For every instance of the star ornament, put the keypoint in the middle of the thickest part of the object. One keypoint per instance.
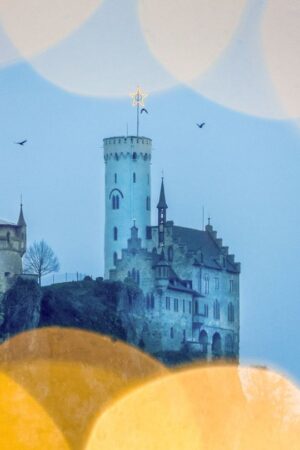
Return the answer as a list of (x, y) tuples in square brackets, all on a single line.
[(138, 97)]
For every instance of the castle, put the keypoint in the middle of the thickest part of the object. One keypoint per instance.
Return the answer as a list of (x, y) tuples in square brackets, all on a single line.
[(12, 248), (189, 280)]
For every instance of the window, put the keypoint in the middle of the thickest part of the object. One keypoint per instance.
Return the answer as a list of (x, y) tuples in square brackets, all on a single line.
[(196, 307), (115, 257), (216, 310), (170, 253), (217, 284), (230, 285), (171, 333), (230, 312), (115, 233), (183, 305), (206, 284), (148, 179), (115, 202), (148, 301), (176, 304), (183, 336), (190, 307), (134, 156), (168, 303), (152, 301), (148, 203), (134, 177), (116, 178)]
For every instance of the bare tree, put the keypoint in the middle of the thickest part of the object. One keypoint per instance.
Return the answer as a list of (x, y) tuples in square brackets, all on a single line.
[(40, 259)]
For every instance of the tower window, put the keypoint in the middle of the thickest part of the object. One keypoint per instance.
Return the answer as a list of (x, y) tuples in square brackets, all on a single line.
[(115, 233), (230, 285), (206, 285), (148, 203), (116, 178), (134, 177), (115, 257), (115, 202), (134, 156), (183, 305), (171, 332)]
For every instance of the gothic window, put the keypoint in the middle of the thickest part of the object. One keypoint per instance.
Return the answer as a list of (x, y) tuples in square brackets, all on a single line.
[(170, 254), (230, 285), (134, 177), (206, 284), (171, 332), (148, 203), (230, 312), (216, 345), (216, 310), (168, 303), (116, 178), (176, 304), (115, 257), (113, 200), (115, 233)]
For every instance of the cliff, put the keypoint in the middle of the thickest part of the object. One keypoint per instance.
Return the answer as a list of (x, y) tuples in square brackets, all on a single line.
[(90, 305)]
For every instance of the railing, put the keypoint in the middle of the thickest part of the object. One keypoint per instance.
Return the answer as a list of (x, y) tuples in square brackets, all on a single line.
[(62, 278)]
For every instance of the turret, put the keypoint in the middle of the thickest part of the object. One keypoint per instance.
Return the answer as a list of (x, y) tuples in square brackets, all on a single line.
[(162, 214), (127, 192)]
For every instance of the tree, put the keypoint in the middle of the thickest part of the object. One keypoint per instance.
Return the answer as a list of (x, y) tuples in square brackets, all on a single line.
[(40, 259)]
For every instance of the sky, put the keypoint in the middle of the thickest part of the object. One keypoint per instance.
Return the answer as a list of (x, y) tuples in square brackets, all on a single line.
[(65, 95)]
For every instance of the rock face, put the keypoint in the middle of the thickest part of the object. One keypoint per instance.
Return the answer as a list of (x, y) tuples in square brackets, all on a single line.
[(90, 305), (20, 308)]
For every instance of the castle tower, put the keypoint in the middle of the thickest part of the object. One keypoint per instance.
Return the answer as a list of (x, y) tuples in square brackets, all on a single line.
[(127, 192), (12, 248)]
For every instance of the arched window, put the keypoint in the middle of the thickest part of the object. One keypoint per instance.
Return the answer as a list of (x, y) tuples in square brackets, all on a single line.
[(148, 203), (116, 178), (117, 202), (216, 310), (134, 177), (115, 257), (230, 312), (134, 156), (115, 233), (203, 340), (216, 345)]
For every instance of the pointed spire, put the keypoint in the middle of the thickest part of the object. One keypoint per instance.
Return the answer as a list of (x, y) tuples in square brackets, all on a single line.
[(21, 220), (162, 198)]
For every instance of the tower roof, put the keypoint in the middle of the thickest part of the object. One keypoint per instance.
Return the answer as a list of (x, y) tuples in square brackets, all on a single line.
[(21, 220), (162, 198)]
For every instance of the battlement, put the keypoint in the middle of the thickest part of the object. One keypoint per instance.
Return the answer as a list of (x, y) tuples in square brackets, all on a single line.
[(127, 146)]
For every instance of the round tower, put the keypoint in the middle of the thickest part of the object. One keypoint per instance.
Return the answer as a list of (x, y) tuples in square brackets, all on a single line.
[(127, 192)]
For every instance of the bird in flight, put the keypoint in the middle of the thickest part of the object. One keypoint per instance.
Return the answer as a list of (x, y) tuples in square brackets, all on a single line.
[(201, 125), (21, 142), (144, 110)]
